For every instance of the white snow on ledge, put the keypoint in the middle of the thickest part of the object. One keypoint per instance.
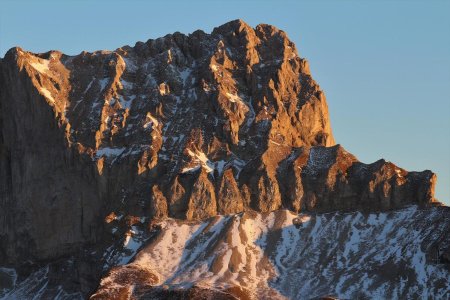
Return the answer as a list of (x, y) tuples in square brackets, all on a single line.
[(126, 104), (202, 159), (107, 151), (214, 67), (151, 121), (233, 98), (46, 93), (191, 169), (41, 67), (103, 83), (184, 75)]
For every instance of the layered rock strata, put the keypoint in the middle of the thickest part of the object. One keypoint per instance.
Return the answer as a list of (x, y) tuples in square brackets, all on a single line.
[(184, 126)]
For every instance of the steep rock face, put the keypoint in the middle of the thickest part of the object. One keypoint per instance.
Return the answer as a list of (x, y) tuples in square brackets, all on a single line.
[(324, 178), (182, 126), (49, 192)]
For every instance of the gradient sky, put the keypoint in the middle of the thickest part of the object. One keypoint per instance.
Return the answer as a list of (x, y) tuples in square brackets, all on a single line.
[(384, 65)]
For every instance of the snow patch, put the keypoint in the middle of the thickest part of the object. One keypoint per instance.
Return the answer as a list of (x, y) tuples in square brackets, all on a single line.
[(184, 75), (88, 87), (344, 255), (214, 67), (103, 83), (108, 152), (129, 64), (151, 121), (320, 158), (234, 98), (126, 103), (46, 93), (190, 169), (201, 158), (42, 66)]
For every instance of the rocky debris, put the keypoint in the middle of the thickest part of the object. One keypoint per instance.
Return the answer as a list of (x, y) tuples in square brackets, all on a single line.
[(384, 255), (131, 282), (119, 283), (65, 278), (184, 126)]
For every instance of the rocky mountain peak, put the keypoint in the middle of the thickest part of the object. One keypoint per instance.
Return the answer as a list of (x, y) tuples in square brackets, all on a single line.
[(183, 126)]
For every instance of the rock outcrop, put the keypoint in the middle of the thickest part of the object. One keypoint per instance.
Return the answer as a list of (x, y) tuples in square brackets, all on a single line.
[(184, 126)]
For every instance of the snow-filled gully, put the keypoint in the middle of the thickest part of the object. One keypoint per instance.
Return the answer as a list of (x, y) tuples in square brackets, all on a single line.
[(348, 255)]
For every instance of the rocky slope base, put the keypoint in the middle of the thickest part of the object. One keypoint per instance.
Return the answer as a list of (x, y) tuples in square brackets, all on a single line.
[(401, 254), (186, 127), (390, 255)]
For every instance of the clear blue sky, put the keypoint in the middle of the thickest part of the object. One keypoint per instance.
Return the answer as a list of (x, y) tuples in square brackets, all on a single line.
[(384, 65)]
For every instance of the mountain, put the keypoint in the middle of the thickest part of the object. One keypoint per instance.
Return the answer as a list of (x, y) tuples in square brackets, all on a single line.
[(104, 154), (262, 256)]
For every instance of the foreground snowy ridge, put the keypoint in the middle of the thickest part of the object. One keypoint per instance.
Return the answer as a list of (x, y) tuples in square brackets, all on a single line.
[(389, 255)]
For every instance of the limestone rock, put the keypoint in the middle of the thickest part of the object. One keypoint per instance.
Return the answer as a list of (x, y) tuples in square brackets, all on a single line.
[(184, 126)]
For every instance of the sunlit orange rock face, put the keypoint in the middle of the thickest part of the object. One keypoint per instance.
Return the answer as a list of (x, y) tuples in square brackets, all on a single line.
[(184, 126)]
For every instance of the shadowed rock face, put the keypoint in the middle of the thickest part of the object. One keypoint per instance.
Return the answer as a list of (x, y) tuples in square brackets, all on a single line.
[(184, 126)]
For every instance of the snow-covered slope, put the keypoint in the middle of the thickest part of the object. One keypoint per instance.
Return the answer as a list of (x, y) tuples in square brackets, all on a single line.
[(390, 255)]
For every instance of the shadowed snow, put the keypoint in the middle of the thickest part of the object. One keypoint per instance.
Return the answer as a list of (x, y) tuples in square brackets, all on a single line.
[(349, 255)]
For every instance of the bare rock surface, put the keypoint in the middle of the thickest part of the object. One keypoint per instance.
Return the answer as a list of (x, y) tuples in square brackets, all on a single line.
[(97, 145)]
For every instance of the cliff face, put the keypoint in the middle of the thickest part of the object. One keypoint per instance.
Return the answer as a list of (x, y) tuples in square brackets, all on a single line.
[(49, 192), (184, 126)]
